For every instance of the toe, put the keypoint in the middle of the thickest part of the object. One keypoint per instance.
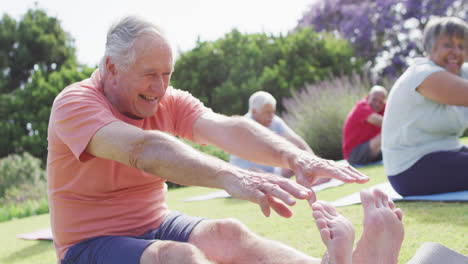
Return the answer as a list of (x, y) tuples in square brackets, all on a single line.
[(367, 200)]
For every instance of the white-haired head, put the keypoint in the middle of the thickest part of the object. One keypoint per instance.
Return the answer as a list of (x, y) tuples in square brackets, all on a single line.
[(259, 99), (121, 38), (378, 89), (377, 98)]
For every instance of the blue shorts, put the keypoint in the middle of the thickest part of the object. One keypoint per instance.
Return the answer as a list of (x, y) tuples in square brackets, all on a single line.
[(128, 249), (436, 172)]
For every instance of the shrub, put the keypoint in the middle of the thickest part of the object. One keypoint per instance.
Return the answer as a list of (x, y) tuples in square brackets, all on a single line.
[(208, 149), (317, 112), (26, 208), (24, 192), (232, 68), (23, 188), (16, 170)]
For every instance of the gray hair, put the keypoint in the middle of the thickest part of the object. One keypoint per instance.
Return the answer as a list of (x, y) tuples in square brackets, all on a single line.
[(121, 38), (378, 88), (260, 99), (439, 26)]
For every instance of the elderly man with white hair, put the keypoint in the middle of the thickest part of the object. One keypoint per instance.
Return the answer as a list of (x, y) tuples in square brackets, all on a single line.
[(112, 147), (262, 108)]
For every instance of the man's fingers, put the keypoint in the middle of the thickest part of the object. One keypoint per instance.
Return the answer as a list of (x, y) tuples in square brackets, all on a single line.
[(295, 189), (264, 204), (266, 201), (279, 207), (275, 190), (345, 173), (312, 198), (361, 177)]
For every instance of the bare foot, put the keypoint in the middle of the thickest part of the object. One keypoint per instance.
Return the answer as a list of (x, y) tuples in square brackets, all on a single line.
[(336, 231), (383, 230)]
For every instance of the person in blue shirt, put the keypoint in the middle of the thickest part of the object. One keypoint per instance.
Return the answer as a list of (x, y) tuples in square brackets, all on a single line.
[(262, 108)]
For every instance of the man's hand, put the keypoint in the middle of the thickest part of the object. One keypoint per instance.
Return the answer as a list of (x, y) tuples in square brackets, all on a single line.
[(267, 190), (310, 168)]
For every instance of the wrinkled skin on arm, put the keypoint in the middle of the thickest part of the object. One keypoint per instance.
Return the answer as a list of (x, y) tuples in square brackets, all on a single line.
[(249, 140)]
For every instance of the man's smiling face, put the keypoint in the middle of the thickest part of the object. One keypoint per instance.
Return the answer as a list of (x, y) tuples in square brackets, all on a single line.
[(137, 91)]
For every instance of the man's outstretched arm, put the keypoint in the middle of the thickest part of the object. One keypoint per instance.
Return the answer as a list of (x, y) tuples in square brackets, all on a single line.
[(167, 157), (251, 141)]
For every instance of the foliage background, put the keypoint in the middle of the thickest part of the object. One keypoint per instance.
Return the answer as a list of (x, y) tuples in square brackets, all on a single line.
[(37, 61), (224, 73), (317, 112), (316, 71), (386, 34)]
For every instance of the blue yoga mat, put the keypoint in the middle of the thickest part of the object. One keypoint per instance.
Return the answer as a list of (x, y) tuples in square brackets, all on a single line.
[(386, 187)]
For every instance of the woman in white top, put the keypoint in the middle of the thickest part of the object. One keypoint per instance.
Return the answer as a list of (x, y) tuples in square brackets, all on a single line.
[(427, 113)]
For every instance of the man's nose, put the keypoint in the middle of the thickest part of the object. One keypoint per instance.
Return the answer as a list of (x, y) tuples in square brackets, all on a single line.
[(157, 84)]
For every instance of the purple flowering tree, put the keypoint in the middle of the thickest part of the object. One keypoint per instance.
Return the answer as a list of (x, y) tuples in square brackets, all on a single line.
[(386, 33)]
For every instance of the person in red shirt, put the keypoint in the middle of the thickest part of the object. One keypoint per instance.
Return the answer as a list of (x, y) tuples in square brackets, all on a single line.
[(362, 127)]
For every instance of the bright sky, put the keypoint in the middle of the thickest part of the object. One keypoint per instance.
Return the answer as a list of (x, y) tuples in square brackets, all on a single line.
[(183, 20)]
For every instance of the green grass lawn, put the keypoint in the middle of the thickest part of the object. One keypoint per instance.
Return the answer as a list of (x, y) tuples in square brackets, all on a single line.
[(446, 223)]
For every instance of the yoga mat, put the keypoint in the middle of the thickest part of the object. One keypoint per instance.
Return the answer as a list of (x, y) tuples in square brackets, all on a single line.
[(386, 187), (224, 194), (345, 162), (42, 234)]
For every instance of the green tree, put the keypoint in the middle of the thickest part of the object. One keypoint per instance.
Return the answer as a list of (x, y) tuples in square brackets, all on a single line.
[(37, 42), (224, 73), (37, 60), (24, 126)]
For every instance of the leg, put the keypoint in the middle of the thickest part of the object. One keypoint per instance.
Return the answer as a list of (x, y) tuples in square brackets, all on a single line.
[(442, 171), (366, 152), (383, 230), (161, 252), (336, 231), (229, 241), (374, 145), (169, 242)]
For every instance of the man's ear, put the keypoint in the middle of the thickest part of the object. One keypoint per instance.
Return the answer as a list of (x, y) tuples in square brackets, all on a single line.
[(110, 67)]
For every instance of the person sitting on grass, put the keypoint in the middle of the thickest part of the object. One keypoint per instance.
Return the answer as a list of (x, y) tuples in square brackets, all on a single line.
[(262, 108), (112, 146), (362, 127), (427, 113)]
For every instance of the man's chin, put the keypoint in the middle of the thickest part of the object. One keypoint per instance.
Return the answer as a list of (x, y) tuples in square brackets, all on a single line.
[(140, 116)]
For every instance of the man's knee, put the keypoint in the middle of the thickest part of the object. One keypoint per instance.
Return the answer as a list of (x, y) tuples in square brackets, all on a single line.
[(224, 239), (230, 229), (172, 252)]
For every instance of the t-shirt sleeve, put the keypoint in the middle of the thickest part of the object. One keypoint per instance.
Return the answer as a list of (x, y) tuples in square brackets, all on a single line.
[(421, 71), (77, 114), (184, 109)]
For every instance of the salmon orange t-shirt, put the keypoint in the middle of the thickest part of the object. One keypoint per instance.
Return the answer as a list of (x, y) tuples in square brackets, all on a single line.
[(91, 196)]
